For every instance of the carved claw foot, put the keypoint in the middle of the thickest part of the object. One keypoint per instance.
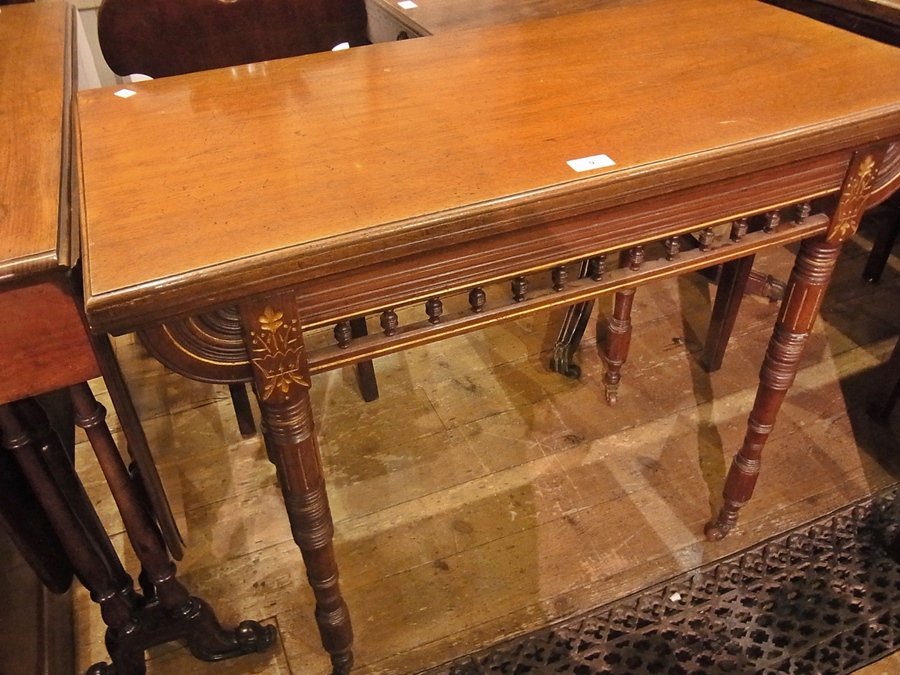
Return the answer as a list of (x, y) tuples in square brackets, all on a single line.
[(207, 640), (573, 372), (195, 624), (252, 636)]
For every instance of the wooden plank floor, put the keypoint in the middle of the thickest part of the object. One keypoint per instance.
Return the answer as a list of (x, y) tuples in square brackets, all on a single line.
[(482, 496)]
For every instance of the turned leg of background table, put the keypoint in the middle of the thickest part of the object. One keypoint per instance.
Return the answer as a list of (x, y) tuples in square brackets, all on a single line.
[(143, 468), (275, 347), (562, 357), (729, 294), (365, 370), (116, 599), (885, 238), (171, 611), (803, 298), (617, 340)]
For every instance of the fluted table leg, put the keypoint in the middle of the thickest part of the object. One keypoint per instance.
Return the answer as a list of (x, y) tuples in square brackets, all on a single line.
[(275, 346)]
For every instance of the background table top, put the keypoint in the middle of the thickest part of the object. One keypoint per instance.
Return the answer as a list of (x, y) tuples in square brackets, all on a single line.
[(214, 185), (433, 17), (35, 92), (878, 19)]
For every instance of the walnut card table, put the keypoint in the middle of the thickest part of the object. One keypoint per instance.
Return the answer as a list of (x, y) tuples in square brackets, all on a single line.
[(226, 213)]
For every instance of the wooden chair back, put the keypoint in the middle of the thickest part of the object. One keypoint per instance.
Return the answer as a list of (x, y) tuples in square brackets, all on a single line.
[(171, 37)]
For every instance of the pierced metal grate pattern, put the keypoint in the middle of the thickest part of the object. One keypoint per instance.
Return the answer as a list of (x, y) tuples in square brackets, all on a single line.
[(823, 599)]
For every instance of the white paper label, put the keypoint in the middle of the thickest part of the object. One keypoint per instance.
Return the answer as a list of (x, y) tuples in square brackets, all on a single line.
[(593, 162), (407, 4), (125, 93)]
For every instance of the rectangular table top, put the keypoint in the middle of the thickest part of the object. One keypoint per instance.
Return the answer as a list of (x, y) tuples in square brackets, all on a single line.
[(201, 189), (36, 78)]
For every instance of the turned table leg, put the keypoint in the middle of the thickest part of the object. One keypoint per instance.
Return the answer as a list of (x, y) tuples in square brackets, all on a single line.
[(803, 298), (617, 343), (115, 596), (172, 612), (274, 342), (805, 290)]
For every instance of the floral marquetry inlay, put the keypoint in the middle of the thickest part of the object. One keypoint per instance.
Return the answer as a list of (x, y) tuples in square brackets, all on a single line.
[(277, 351), (852, 201)]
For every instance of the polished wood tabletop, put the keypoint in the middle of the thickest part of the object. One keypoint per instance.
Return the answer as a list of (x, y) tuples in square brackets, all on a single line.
[(226, 212), (267, 176), (38, 243), (35, 85)]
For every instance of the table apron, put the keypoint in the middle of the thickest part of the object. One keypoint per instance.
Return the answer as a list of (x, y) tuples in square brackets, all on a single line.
[(210, 348)]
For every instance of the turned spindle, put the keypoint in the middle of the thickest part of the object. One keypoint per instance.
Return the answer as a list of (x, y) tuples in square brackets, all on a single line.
[(477, 299), (559, 276), (434, 308), (389, 322), (519, 288), (343, 334)]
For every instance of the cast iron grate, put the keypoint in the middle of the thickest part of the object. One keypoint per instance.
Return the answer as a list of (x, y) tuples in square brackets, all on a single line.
[(821, 600)]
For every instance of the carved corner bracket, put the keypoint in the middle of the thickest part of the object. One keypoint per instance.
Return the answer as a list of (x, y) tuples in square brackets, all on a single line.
[(858, 186), (208, 347), (277, 352)]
